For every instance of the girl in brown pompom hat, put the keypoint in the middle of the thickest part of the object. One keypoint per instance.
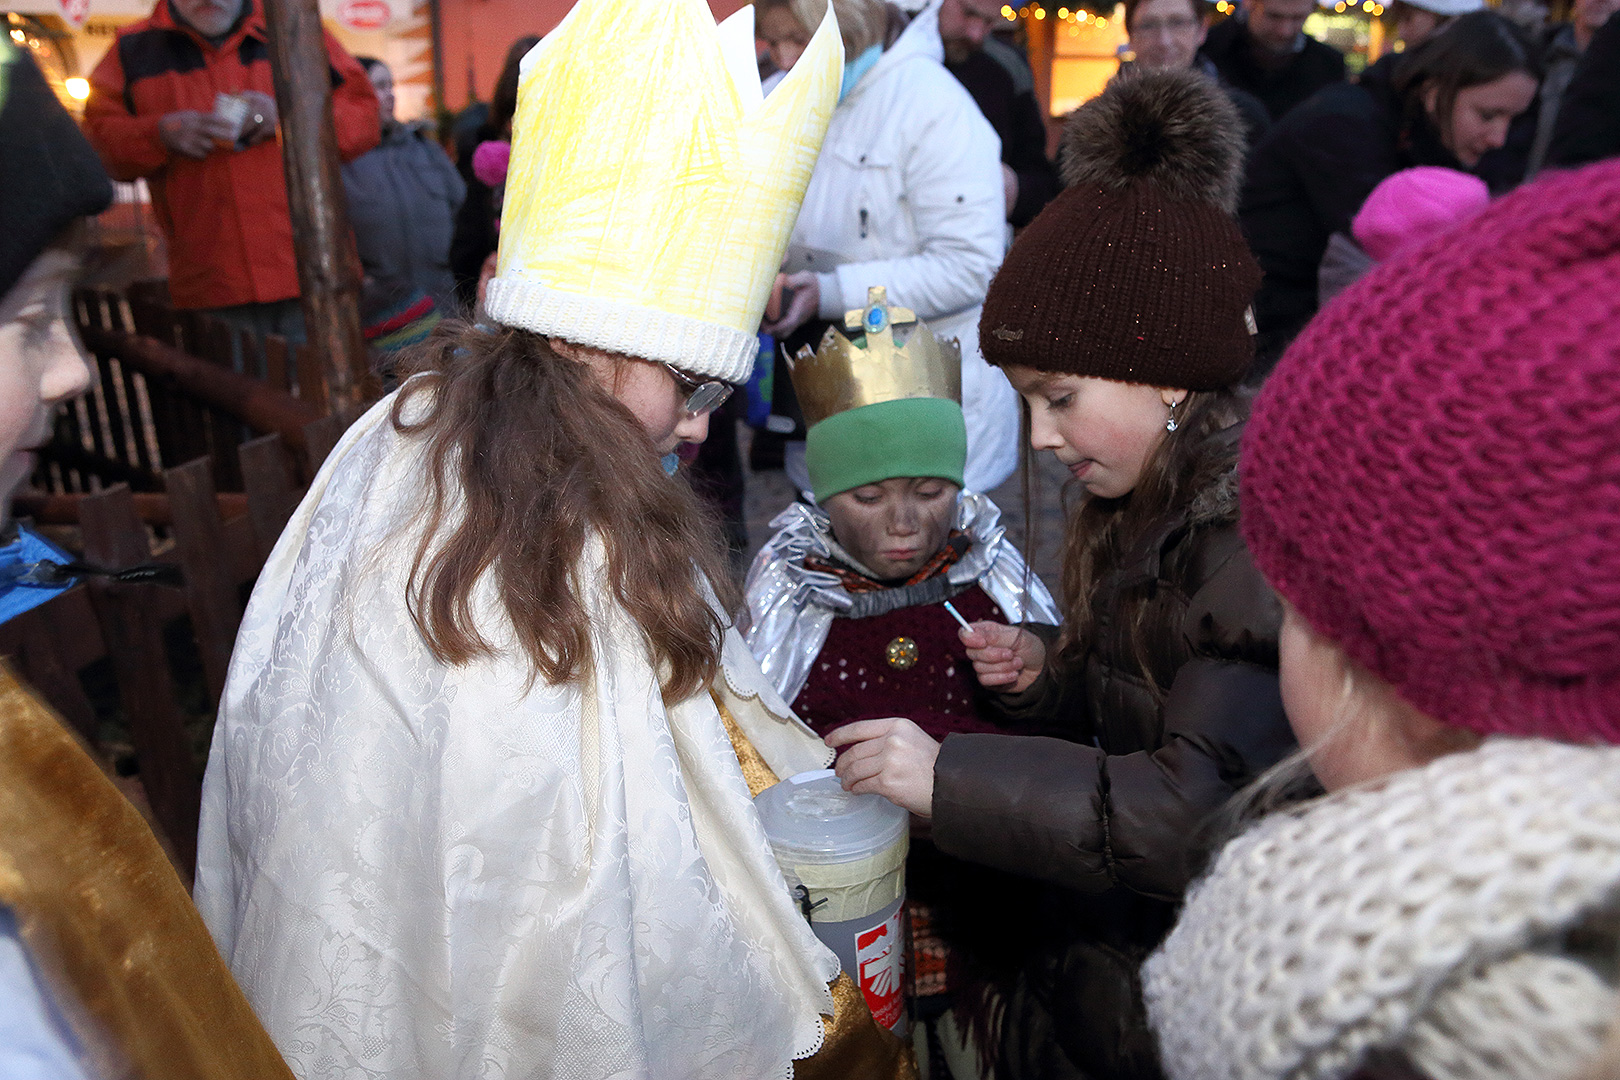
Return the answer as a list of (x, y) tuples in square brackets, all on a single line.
[(1120, 316)]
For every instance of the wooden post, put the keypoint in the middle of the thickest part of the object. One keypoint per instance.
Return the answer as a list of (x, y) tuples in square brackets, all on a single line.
[(327, 276), (436, 26)]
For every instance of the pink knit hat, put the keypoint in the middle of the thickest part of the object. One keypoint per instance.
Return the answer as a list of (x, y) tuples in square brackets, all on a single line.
[(1413, 205), (1432, 473)]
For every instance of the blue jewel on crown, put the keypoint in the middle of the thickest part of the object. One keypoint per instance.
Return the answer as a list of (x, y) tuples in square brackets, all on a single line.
[(877, 317)]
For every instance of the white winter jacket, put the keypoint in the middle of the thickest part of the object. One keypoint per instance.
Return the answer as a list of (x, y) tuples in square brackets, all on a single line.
[(907, 194)]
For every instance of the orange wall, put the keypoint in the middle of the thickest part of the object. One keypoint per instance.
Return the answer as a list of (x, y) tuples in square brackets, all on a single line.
[(477, 34)]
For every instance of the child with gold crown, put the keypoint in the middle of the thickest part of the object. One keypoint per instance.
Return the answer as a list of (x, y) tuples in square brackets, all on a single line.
[(479, 798), (853, 606)]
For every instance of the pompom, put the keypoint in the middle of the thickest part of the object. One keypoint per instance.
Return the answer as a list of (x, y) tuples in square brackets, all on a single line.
[(1175, 129), (490, 162)]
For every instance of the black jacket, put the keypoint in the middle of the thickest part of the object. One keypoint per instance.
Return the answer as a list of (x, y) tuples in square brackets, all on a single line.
[(1308, 179), (1113, 816), (1004, 89), (1237, 57), (1588, 125), (1256, 117)]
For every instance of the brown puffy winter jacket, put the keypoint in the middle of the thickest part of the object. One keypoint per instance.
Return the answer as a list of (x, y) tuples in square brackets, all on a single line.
[(1115, 815)]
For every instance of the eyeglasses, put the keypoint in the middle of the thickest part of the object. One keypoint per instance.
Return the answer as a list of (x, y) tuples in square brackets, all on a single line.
[(701, 397)]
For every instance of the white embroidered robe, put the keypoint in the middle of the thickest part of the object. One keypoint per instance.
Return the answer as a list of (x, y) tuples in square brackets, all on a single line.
[(427, 873)]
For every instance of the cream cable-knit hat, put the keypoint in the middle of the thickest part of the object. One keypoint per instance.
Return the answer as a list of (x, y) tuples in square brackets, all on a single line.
[(1424, 916)]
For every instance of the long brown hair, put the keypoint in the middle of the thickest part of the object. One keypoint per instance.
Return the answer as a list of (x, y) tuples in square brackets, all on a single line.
[(1099, 532), (529, 457)]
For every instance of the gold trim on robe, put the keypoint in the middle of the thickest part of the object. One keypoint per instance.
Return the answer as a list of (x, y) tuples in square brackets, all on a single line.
[(106, 919), (756, 772), (855, 1047)]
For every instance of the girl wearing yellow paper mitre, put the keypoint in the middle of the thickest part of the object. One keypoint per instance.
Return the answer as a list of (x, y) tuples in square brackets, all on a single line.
[(478, 802)]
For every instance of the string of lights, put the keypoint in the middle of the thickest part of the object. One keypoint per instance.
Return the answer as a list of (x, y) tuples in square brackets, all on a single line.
[(47, 46), (1078, 16), (1081, 17)]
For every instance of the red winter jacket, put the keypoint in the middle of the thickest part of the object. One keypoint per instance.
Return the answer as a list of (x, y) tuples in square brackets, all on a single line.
[(226, 217)]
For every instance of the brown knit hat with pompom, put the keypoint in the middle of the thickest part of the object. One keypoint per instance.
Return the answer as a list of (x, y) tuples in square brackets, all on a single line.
[(1137, 271)]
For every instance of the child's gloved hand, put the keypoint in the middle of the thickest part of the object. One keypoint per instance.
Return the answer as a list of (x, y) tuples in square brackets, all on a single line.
[(1005, 658), (893, 758)]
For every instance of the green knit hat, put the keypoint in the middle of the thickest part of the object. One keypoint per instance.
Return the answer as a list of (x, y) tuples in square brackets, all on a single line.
[(922, 436), (880, 405)]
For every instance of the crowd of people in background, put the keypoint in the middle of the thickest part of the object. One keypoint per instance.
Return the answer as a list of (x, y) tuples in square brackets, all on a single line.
[(1308, 770), (1468, 90), (214, 168)]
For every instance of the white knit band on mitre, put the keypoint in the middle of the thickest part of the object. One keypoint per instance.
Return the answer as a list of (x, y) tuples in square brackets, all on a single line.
[(695, 346)]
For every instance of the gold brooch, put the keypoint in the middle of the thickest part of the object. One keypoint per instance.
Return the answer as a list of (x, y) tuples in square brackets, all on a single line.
[(901, 653)]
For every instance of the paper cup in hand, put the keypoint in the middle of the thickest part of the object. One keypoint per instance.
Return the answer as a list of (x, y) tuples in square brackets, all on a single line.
[(234, 111)]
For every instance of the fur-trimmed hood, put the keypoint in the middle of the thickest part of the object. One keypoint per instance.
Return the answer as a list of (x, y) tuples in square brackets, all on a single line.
[(1216, 478), (1218, 501)]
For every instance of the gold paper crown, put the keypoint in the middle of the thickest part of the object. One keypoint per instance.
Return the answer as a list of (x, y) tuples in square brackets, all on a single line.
[(652, 187), (843, 374)]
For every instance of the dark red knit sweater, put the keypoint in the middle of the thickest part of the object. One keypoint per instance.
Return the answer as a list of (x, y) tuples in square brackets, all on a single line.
[(853, 680)]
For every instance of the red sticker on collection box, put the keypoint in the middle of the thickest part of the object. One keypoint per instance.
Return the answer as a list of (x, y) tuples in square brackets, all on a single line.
[(880, 956)]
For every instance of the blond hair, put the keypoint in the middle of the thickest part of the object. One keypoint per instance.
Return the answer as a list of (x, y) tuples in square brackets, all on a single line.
[(1365, 709), (861, 23)]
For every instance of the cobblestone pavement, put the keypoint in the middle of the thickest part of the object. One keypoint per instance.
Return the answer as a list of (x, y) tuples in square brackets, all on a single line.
[(768, 492)]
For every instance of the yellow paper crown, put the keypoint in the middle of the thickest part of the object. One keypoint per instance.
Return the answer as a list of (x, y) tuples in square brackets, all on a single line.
[(652, 188), (842, 374)]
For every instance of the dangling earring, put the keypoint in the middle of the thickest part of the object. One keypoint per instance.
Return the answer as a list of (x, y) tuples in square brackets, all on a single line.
[(1170, 424)]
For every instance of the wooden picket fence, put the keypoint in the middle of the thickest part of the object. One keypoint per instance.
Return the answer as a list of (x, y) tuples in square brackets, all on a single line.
[(172, 458), (166, 392)]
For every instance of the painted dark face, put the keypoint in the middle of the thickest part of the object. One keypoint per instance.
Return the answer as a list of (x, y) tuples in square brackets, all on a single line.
[(894, 526)]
